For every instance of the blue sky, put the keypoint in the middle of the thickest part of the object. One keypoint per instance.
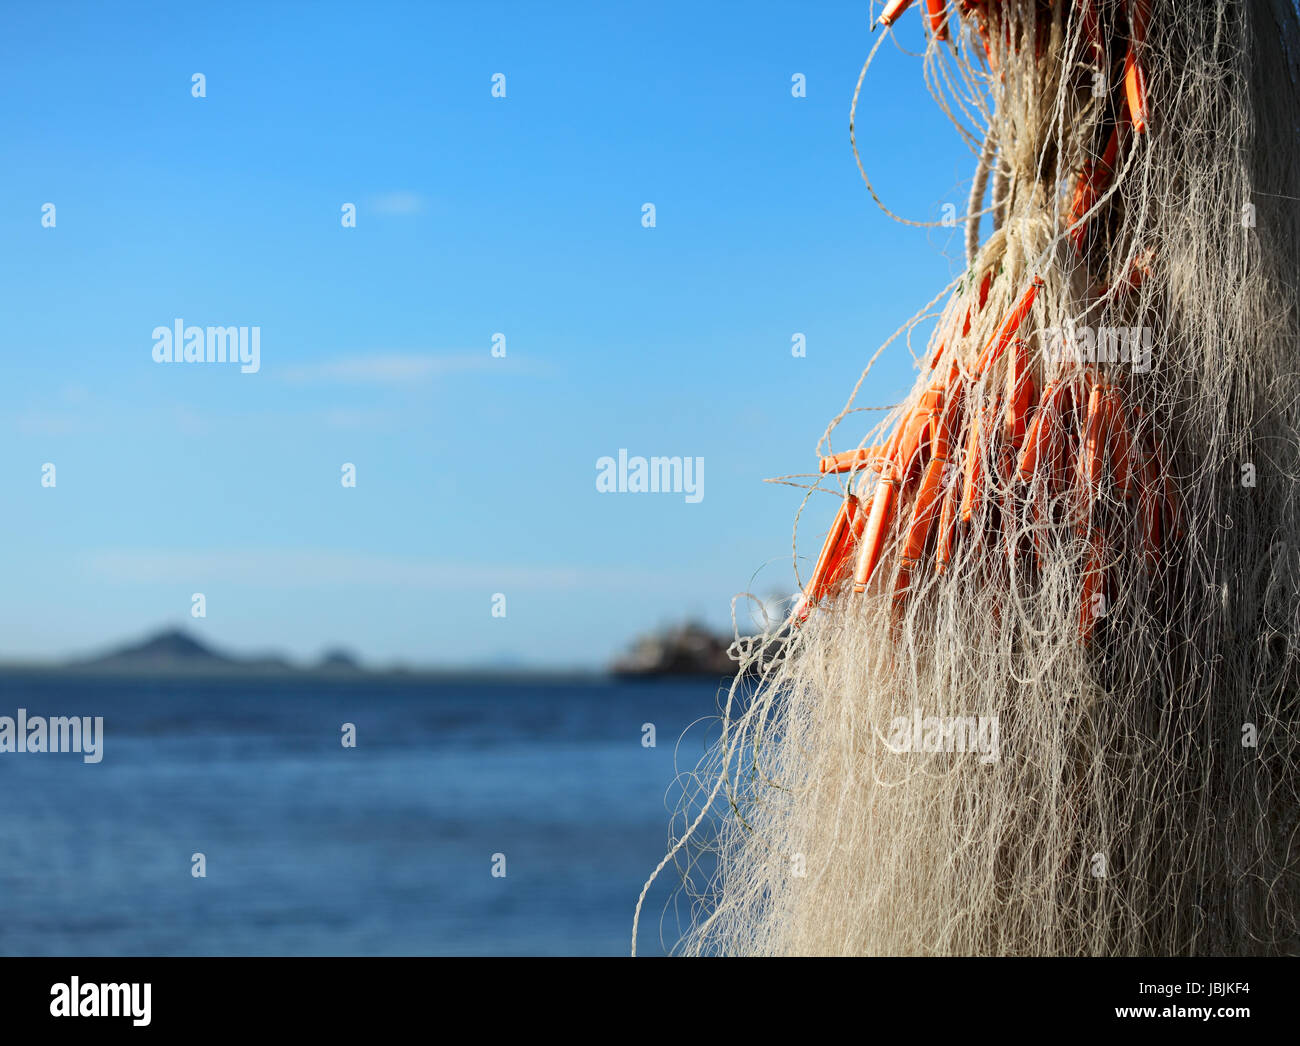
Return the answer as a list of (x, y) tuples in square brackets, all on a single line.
[(475, 215)]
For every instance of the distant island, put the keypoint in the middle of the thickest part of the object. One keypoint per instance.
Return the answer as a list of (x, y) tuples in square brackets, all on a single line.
[(689, 649), (176, 650), (685, 650)]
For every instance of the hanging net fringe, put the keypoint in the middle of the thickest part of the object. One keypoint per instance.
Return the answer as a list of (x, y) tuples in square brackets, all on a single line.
[(1039, 696)]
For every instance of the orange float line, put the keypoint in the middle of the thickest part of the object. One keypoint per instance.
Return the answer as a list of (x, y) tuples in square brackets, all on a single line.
[(860, 520), (936, 18), (1007, 329), (911, 438), (1065, 438), (905, 450), (973, 478), (1020, 393), (926, 508), (813, 590), (988, 51), (831, 555), (1093, 584), (1009, 504), (891, 13), (1140, 269), (1037, 439), (947, 526), (1091, 460), (924, 517), (948, 411), (1088, 458), (1135, 91), (1137, 274), (978, 304), (1093, 181), (849, 460), (1055, 452), (878, 521), (950, 332), (918, 431), (1121, 438), (843, 547), (938, 355)]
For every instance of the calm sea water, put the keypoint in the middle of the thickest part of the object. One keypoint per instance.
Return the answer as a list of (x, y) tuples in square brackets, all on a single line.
[(315, 849)]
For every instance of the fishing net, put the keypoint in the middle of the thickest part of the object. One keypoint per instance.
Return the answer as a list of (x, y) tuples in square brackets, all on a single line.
[(1039, 695)]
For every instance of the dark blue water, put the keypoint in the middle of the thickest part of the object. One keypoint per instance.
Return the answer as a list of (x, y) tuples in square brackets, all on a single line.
[(316, 849)]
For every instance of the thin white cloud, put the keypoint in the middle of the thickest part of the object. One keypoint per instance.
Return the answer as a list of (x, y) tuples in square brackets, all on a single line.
[(51, 423), (189, 421), (397, 202), (350, 420), (328, 568), (392, 368)]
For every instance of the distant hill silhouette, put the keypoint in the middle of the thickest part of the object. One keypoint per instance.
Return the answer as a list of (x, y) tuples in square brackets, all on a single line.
[(171, 645), (685, 650), (338, 658), (175, 648), (688, 650)]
